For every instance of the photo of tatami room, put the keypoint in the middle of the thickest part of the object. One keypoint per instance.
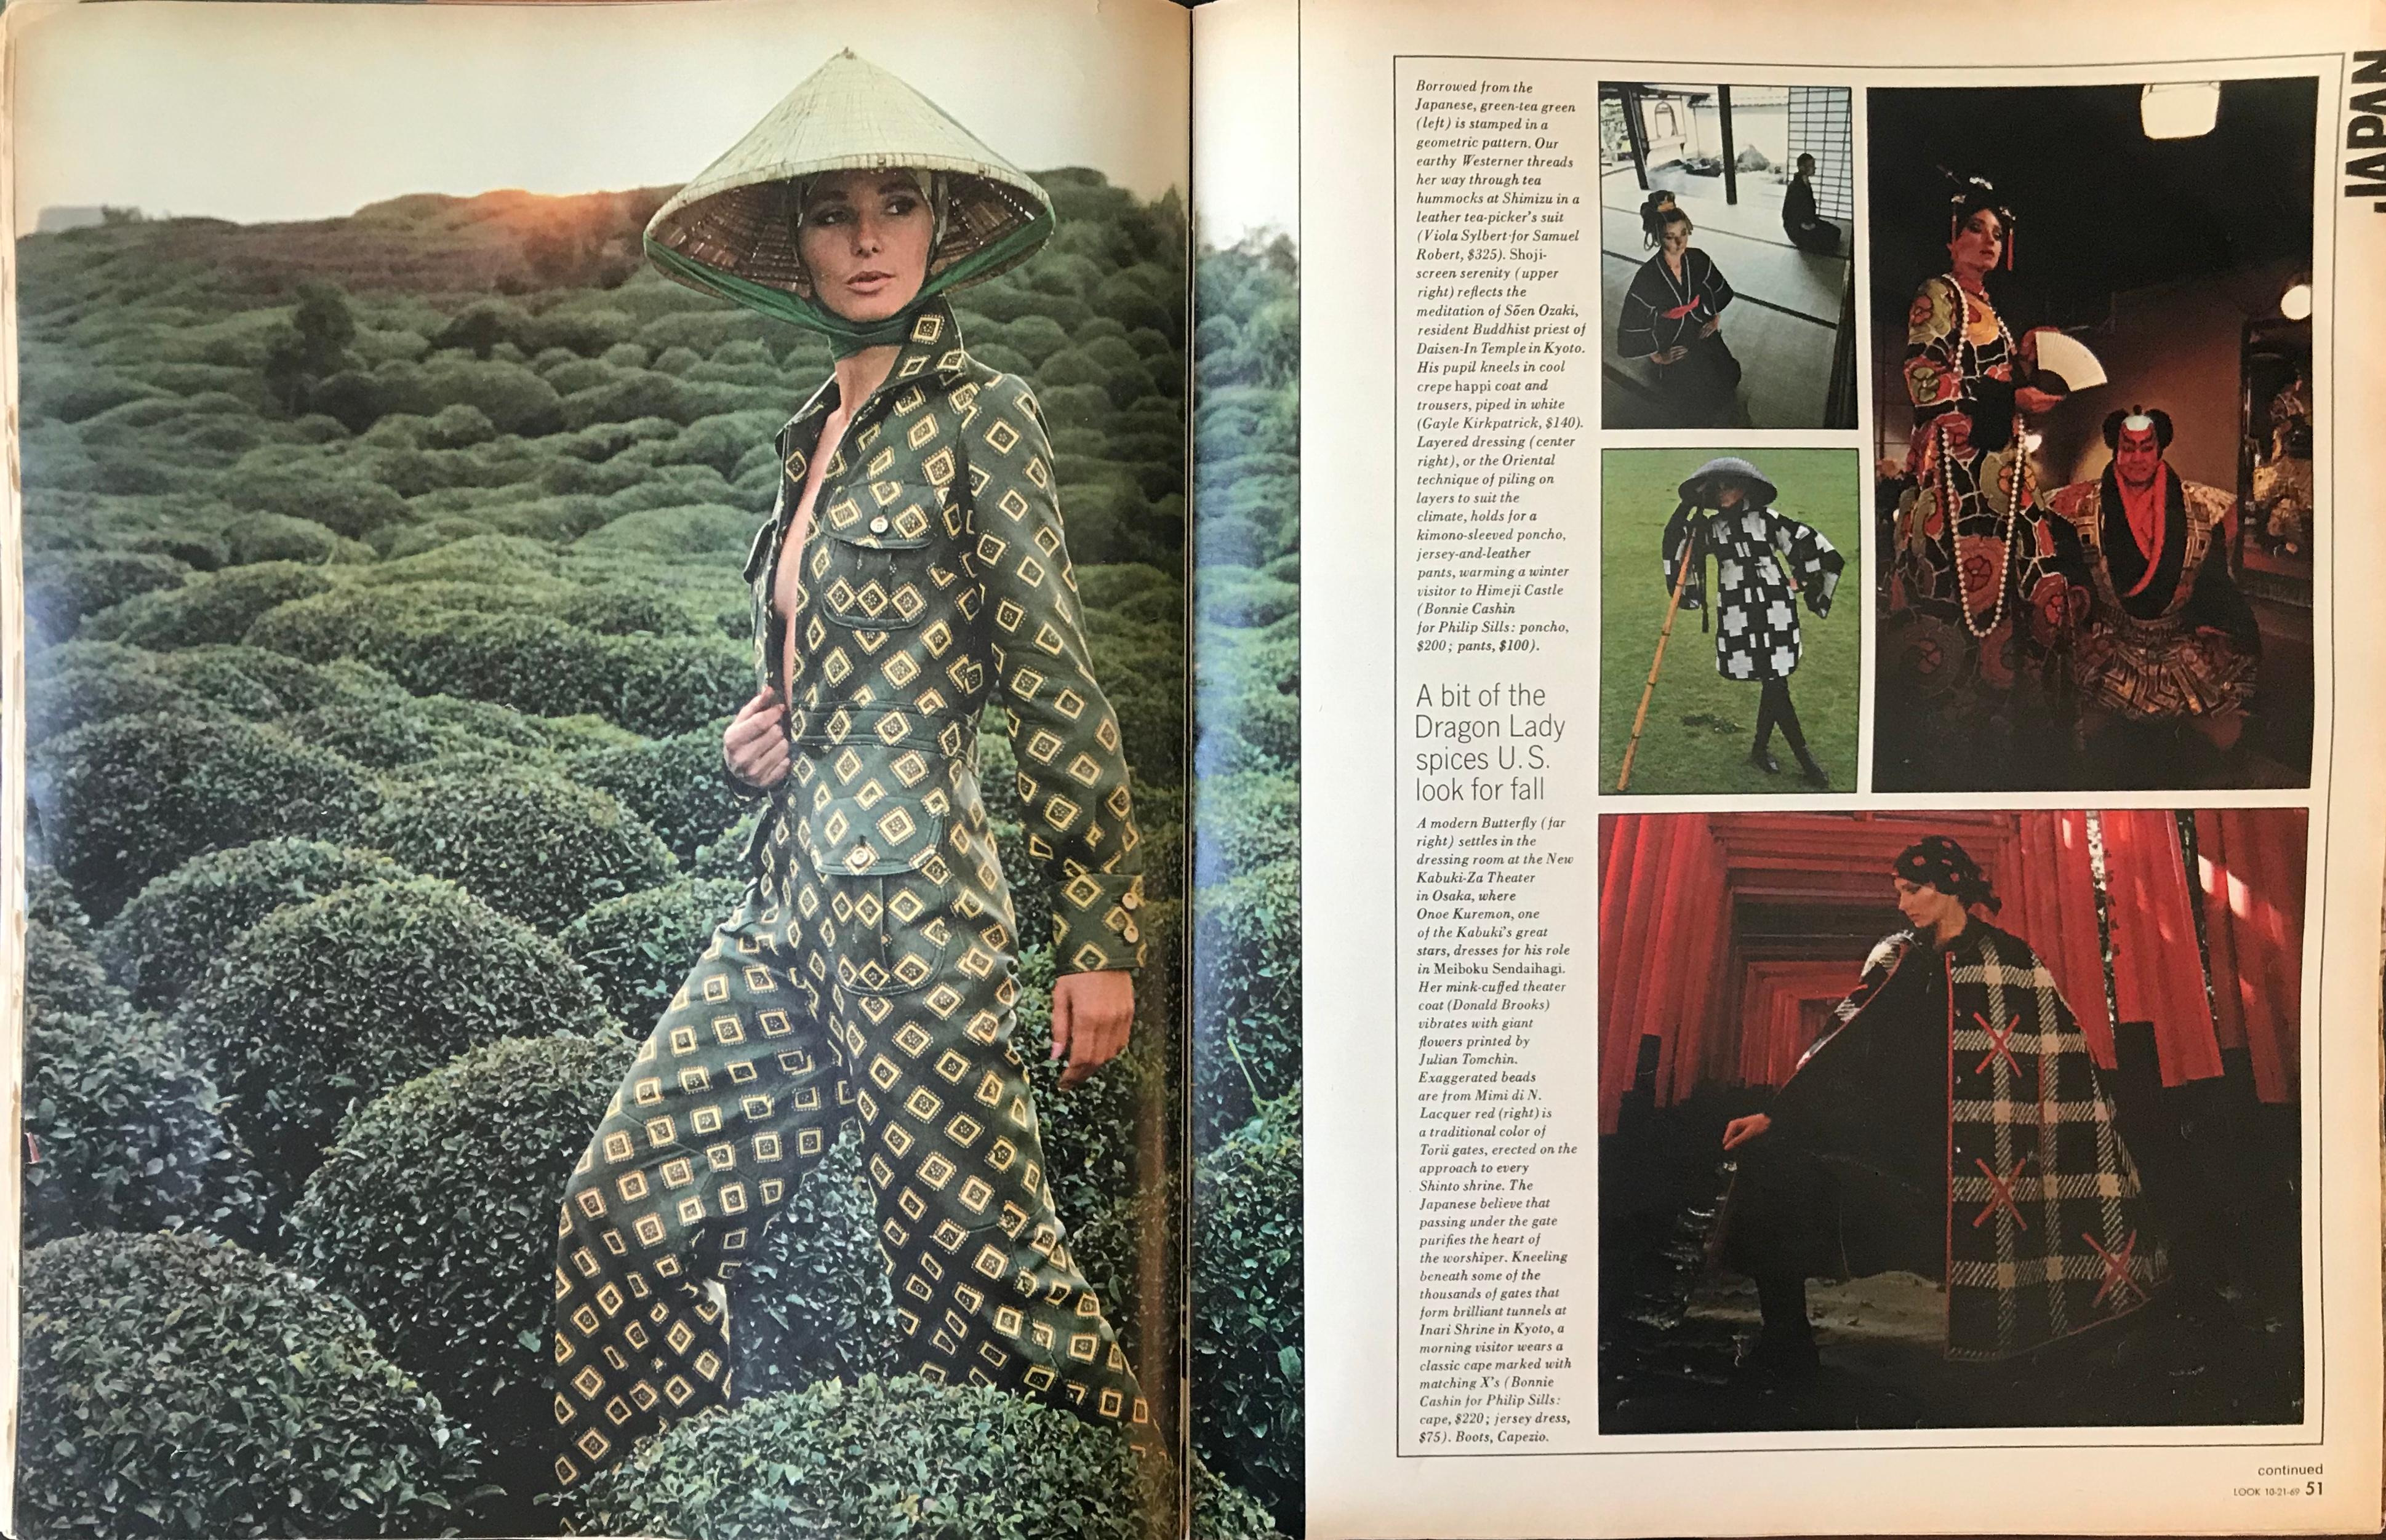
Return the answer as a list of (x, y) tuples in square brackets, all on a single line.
[(1726, 246)]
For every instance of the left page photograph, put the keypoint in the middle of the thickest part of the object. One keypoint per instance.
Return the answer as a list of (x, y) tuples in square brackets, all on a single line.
[(595, 666)]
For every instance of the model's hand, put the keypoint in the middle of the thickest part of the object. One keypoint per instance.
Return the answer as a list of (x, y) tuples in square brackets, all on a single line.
[(755, 747), (1714, 324), (1670, 356), (2029, 398), (1091, 1015), (1740, 1131)]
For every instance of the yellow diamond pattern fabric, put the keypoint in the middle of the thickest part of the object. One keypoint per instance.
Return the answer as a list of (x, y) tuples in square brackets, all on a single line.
[(871, 971)]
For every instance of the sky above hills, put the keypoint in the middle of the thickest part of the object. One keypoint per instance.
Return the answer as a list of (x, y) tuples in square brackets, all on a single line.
[(274, 112)]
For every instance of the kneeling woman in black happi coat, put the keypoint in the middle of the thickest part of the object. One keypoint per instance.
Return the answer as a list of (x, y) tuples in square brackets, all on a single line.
[(1672, 316)]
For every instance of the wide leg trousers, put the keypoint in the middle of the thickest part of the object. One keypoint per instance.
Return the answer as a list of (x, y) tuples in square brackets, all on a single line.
[(826, 997)]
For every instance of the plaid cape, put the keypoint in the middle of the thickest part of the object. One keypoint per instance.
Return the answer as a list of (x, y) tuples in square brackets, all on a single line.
[(2046, 1227)]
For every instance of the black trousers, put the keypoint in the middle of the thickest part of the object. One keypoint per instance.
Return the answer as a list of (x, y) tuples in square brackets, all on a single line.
[(1821, 236), (1773, 709)]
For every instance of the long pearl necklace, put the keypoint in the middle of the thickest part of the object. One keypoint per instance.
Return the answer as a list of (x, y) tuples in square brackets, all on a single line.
[(1965, 354)]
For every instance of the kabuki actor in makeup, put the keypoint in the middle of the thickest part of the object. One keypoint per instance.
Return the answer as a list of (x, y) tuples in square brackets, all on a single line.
[(2167, 637), (1950, 1122)]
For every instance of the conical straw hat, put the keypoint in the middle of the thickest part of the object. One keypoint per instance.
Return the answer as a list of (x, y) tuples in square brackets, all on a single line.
[(1762, 491), (732, 232)]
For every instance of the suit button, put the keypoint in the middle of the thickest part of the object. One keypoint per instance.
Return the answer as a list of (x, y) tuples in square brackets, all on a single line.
[(878, 525), (1130, 900), (1131, 933)]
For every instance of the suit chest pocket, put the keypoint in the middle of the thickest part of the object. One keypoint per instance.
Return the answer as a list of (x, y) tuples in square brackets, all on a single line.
[(882, 561)]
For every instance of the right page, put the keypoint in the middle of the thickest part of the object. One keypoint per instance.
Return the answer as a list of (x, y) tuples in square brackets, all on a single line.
[(1849, 999)]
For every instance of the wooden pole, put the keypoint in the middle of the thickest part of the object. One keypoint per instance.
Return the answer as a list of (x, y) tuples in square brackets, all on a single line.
[(1673, 604)]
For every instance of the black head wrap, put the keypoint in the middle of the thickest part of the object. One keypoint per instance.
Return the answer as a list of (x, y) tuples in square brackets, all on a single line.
[(1967, 197), (1656, 209), (2116, 422), (1940, 862)]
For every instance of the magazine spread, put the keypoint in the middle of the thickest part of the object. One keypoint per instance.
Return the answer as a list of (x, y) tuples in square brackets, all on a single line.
[(1853, 999), (669, 872)]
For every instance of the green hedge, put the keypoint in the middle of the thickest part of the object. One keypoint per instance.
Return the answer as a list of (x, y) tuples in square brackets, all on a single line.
[(331, 1002), (1247, 994), (261, 685), (888, 1457), (177, 1387), (435, 1213), (814, 1302), (345, 505), (528, 841), (1089, 1134), (63, 700), (279, 537), (674, 784), (382, 735), (128, 1131), (62, 976), (131, 798), (216, 607), (161, 942), (654, 685), (84, 681), (49, 901), (639, 947), (1246, 1305), (1247, 821), (723, 855), (61, 589)]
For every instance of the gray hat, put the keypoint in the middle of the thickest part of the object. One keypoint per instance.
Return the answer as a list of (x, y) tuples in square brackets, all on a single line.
[(730, 231), (1699, 491)]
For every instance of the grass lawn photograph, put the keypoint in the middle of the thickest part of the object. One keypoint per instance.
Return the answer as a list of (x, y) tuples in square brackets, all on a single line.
[(1758, 687)]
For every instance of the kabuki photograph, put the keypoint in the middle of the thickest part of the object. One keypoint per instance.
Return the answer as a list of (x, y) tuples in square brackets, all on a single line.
[(2091, 320), (1727, 256), (1951, 1119)]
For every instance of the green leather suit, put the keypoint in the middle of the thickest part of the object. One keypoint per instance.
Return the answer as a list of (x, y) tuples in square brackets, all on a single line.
[(871, 968)]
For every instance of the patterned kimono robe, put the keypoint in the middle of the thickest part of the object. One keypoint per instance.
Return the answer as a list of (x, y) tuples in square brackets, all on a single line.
[(1973, 678), (2166, 633), (1757, 553), (1952, 1123)]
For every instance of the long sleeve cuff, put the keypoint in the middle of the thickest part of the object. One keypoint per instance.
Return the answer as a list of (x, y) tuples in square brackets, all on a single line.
[(1096, 923)]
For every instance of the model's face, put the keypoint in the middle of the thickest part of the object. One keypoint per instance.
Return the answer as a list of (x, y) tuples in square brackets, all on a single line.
[(2136, 455), (1676, 239), (1730, 495), (1978, 242), (1925, 908), (864, 237)]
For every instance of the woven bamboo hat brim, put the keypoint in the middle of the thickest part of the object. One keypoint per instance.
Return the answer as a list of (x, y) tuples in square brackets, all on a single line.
[(1699, 490), (731, 231)]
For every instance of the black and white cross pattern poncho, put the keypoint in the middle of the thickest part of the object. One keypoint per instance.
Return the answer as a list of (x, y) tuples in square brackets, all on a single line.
[(1759, 553)]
